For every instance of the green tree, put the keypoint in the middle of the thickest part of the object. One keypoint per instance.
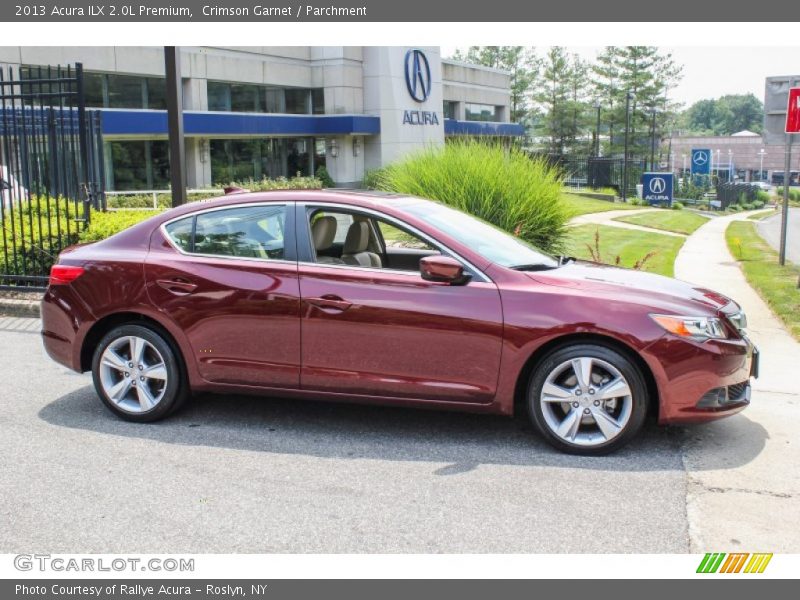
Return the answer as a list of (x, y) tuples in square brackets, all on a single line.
[(647, 75), (724, 116), (554, 97)]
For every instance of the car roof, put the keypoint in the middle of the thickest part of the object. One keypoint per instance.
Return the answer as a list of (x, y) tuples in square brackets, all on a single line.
[(363, 198)]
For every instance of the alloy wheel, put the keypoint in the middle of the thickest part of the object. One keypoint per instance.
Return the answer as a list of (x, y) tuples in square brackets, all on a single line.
[(586, 401), (133, 374)]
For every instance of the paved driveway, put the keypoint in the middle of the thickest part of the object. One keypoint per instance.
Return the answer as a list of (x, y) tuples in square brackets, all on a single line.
[(770, 230), (235, 474)]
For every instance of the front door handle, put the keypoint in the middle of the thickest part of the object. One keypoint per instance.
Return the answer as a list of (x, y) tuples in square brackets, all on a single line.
[(177, 285), (330, 302)]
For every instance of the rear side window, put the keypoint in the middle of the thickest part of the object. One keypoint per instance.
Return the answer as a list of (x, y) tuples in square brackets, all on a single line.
[(180, 232), (245, 232)]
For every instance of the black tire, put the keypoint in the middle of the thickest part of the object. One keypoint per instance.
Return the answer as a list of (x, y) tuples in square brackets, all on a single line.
[(175, 389), (630, 371)]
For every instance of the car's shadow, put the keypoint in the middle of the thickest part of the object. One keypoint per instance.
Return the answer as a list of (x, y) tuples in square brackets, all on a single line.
[(338, 430)]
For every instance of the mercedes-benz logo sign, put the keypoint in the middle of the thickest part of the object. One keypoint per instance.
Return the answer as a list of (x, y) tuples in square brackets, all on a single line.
[(418, 75), (700, 158), (657, 185)]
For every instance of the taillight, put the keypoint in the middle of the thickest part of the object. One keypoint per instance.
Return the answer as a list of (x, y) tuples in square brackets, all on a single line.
[(64, 274)]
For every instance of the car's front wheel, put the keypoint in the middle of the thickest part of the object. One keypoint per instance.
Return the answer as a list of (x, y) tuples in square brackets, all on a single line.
[(587, 399), (137, 374)]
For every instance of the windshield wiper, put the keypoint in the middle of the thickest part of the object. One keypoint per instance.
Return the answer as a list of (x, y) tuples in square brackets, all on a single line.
[(533, 267), (563, 260)]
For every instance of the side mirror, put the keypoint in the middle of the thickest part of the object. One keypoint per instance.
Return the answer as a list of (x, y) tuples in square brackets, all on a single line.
[(443, 269)]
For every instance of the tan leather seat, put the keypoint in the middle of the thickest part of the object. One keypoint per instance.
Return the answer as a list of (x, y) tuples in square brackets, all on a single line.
[(355, 247), (323, 232)]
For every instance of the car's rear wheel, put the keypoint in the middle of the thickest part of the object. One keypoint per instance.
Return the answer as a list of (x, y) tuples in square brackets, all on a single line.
[(587, 399), (137, 374)]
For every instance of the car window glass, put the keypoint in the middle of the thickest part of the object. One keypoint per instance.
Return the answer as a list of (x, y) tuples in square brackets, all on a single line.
[(394, 237), (180, 232), (247, 232)]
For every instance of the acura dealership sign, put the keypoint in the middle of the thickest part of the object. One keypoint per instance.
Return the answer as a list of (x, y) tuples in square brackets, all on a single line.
[(657, 188), (419, 84)]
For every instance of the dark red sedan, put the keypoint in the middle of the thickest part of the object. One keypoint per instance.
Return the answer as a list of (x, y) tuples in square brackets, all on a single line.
[(392, 300)]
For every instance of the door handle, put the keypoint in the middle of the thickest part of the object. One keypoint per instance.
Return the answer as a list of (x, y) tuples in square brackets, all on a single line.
[(330, 302), (177, 285)]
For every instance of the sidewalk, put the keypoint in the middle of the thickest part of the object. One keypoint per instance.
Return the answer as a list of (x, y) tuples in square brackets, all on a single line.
[(607, 218), (754, 507)]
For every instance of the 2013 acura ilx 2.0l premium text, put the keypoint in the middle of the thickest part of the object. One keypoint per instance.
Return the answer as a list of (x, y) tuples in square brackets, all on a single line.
[(391, 300)]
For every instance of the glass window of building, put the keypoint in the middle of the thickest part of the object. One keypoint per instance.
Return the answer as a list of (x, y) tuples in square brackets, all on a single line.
[(450, 109), (138, 165), (94, 87), (318, 101), (234, 160), (298, 101), (245, 98), (275, 101), (156, 93), (219, 96), (480, 112), (125, 91)]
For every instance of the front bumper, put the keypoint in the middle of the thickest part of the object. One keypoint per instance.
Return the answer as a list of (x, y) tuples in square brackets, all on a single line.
[(702, 381)]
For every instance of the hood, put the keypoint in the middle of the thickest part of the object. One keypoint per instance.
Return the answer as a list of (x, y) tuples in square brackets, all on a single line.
[(671, 294)]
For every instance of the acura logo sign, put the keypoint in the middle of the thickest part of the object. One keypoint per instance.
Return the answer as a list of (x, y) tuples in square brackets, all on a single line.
[(657, 185), (418, 75)]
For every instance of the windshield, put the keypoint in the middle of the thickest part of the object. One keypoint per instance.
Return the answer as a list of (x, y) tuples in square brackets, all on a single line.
[(487, 240)]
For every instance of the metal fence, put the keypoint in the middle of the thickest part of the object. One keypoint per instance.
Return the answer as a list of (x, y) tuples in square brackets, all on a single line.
[(735, 193), (51, 169), (598, 171)]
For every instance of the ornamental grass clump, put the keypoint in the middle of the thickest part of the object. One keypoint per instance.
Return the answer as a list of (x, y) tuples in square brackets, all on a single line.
[(503, 186)]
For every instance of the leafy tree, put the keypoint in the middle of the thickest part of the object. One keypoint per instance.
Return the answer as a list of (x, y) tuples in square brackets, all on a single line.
[(554, 96), (647, 75), (724, 116)]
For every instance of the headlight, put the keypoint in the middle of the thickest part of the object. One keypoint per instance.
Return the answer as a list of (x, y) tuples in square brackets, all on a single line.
[(699, 328)]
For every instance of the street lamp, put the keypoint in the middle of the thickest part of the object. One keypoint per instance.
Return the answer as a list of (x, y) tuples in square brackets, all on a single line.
[(653, 140), (628, 98), (730, 165), (684, 165), (597, 131), (718, 151), (761, 155)]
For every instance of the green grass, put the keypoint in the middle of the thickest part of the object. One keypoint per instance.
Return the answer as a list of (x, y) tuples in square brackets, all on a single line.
[(677, 221), (775, 284), (579, 205), (763, 214), (631, 246)]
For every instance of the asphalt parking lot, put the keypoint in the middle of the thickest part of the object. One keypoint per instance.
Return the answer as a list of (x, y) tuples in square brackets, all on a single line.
[(237, 474)]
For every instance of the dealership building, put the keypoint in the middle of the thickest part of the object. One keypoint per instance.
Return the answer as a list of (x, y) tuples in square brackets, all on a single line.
[(254, 112)]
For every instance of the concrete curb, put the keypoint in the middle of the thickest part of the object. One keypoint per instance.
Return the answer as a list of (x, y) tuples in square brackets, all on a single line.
[(19, 308)]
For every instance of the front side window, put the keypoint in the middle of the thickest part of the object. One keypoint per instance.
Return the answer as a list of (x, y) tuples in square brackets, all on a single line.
[(245, 232), (362, 240)]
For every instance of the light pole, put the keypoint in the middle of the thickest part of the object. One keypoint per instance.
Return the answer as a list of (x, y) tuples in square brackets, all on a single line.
[(672, 162), (597, 131), (730, 165), (628, 98), (761, 154), (718, 163), (684, 165), (653, 140)]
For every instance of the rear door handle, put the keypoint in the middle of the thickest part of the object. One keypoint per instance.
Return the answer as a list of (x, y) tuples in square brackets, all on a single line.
[(330, 302), (177, 285)]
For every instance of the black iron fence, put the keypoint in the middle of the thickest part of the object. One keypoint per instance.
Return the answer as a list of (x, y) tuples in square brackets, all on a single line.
[(51, 169), (599, 172), (736, 193)]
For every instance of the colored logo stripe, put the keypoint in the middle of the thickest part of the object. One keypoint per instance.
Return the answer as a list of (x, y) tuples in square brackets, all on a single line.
[(713, 562)]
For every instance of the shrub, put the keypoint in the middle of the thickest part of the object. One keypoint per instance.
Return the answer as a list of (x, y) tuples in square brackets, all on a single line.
[(677, 205), (505, 187), (371, 179), (734, 207), (37, 240), (763, 196), (106, 224), (324, 177)]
